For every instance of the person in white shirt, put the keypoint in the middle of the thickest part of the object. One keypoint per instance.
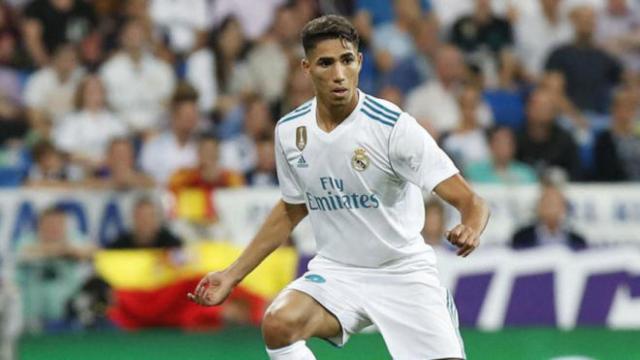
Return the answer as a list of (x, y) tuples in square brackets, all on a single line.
[(357, 166), (434, 103), (467, 143), (49, 92), (138, 84), (175, 148), (86, 133), (539, 32)]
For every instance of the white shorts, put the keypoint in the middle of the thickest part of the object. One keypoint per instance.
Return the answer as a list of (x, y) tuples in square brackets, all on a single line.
[(414, 313)]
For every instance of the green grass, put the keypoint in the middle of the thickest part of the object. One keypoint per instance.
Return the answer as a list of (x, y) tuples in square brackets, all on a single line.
[(245, 344)]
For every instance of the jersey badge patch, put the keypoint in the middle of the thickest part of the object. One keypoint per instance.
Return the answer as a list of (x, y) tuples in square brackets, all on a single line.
[(301, 137), (302, 163), (360, 161)]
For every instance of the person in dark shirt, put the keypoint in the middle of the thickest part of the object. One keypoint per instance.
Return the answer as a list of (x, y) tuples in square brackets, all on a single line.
[(542, 143), (148, 230), (550, 227), (590, 72), (617, 150), (50, 23), (482, 28)]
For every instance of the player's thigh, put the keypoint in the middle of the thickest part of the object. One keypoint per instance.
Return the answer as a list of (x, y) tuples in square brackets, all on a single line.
[(418, 321), (300, 310)]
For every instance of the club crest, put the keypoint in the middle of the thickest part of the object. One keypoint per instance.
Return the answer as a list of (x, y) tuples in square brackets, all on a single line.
[(360, 161), (301, 137)]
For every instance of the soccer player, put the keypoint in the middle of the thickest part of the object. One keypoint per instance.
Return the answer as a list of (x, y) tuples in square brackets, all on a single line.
[(356, 165)]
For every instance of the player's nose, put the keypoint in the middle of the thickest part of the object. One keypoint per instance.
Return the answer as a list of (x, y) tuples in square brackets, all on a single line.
[(339, 74)]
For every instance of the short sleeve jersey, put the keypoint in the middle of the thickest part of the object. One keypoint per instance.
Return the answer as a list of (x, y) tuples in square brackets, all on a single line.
[(361, 182)]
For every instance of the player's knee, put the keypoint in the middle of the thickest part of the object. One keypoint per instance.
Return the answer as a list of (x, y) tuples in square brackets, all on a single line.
[(281, 328)]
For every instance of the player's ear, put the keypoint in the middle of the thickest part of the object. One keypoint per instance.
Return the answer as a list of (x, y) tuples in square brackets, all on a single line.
[(360, 58), (305, 65)]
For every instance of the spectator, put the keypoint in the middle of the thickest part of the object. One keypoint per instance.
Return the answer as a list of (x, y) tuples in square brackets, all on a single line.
[(502, 168), (481, 31), (590, 72), (148, 230), (550, 227), (239, 153), (617, 150), (542, 143), (219, 73), (49, 92), (174, 148), (85, 133), (434, 103), (618, 31), (298, 91), (193, 186), (49, 24), (264, 173), (414, 70), (49, 269), (50, 167), (392, 41), (119, 171), (138, 83), (179, 21), (268, 60), (507, 98), (467, 143), (539, 32), (254, 17)]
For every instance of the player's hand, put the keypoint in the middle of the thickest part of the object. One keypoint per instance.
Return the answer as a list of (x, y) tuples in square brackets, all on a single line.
[(465, 238), (213, 289)]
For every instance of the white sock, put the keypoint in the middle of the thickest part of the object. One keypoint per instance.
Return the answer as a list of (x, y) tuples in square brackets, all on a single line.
[(296, 351)]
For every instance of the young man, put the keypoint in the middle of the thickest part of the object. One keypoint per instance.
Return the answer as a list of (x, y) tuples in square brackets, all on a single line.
[(356, 165)]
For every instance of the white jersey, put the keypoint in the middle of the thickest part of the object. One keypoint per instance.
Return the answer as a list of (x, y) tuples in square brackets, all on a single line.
[(362, 181)]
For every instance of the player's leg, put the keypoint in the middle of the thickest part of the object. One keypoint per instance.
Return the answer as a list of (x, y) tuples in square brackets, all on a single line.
[(416, 317), (292, 318)]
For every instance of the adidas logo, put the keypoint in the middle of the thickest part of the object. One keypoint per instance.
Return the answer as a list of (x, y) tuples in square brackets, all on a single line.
[(301, 162)]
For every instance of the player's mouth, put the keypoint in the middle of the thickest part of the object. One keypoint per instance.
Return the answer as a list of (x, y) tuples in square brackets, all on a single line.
[(340, 91)]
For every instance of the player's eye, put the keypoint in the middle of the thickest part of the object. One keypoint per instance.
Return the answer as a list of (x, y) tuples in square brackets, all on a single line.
[(324, 63), (347, 60)]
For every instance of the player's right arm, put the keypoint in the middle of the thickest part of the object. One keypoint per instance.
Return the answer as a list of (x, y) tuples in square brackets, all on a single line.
[(214, 288)]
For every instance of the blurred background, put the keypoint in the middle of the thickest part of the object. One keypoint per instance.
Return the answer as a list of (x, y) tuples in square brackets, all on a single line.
[(136, 154)]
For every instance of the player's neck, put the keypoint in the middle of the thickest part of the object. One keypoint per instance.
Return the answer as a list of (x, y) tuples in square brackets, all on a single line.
[(330, 116)]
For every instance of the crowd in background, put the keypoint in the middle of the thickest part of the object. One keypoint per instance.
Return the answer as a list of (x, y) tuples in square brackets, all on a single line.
[(184, 95)]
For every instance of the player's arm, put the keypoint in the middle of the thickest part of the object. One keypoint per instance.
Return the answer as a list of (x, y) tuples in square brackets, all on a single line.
[(473, 209), (214, 288)]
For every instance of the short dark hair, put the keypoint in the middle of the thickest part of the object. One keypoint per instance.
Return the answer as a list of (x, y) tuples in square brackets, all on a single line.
[(184, 92), (328, 27)]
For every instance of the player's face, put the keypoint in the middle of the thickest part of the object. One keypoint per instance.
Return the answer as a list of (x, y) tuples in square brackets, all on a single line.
[(334, 66)]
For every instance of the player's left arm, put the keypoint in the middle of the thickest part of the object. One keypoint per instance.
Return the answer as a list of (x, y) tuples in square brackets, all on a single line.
[(473, 209)]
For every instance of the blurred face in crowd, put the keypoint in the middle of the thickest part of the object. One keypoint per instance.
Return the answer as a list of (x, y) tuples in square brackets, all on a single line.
[(208, 153), (50, 162), (552, 208), (617, 7), (146, 223), (134, 36), (550, 6), (52, 227), (469, 100), (623, 111), (483, 8), (231, 39), (93, 94), (185, 118), (334, 66), (65, 61), (425, 36), (257, 118), (503, 146), (407, 10), (120, 155), (285, 25), (449, 65), (62, 5), (266, 156), (584, 21), (300, 89), (541, 109)]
